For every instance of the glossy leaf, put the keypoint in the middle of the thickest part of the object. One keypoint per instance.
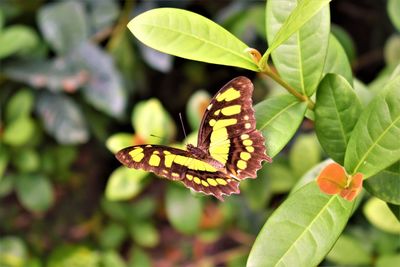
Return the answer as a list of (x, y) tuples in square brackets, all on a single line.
[(64, 25), (336, 60), (104, 88), (34, 192), (337, 110), (186, 34), (20, 105), (125, 183), (278, 118), (349, 251), (302, 230), (378, 213), (152, 122), (17, 39), (393, 7), (373, 145), (183, 210), (306, 144), (384, 184), (300, 58), (62, 118)]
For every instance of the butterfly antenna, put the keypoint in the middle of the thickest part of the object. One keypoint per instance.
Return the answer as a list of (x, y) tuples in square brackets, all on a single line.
[(183, 126)]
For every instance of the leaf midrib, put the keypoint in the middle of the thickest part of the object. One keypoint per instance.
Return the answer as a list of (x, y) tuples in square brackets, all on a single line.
[(278, 114)]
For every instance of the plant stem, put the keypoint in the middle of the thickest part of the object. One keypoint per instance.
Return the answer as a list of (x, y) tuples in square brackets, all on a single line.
[(267, 71)]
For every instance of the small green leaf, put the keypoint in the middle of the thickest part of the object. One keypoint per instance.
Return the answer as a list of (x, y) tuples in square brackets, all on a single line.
[(378, 213), (336, 60), (349, 251), (373, 144), (20, 105), (300, 58), (152, 122), (118, 141), (183, 209), (189, 35), (19, 131), (385, 184), (17, 39), (306, 144), (125, 183), (112, 236), (64, 25), (302, 230), (393, 7), (111, 259), (196, 106), (62, 118), (13, 252), (278, 118), (337, 110), (34, 192), (139, 258), (27, 160), (73, 255), (145, 234)]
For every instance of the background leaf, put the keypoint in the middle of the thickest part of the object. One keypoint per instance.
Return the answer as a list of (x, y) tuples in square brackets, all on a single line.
[(300, 59), (302, 230), (62, 118), (14, 252), (373, 143), (305, 144), (393, 7), (278, 118), (198, 37), (20, 105), (64, 25), (378, 213), (337, 110), (349, 251), (125, 183), (17, 39)]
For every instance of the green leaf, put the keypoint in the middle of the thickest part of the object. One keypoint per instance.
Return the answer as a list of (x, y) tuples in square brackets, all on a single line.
[(118, 141), (388, 260), (373, 145), (19, 131), (112, 236), (145, 234), (34, 192), (2, 20), (336, 60), (125, 183), (281, 177), (196, 107), (349, 251), (20, 105), (300, 58), (258, 191), (13, 252), (302, 230), (337, 110), (64, 25), (278, 118), (378, 214), (186, 34), (362, 92), (102, 14), (391, 50), (4, 158), (111, 259), (393, 7), (62, 118), (73, 255), (345, 40), (152, 122), (384, 184), (305, 144), (183, 209), (17, 39), (139, 258), (104, 88), (27, 160)]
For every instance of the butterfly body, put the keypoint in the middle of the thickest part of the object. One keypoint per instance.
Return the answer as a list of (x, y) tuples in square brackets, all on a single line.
[(229, 148)]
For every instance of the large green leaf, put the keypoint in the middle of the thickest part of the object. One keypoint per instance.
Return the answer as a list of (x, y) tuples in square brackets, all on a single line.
[(385, 184), (64, 25), (185, 34), (278, 118), (183, 209), (374, 143), (17, 39), (302, 230), (300, 59), (337, 61), (337, 110)]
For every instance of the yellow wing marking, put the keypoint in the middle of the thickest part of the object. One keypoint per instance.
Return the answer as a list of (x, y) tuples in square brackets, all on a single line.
[(245, 155), (241, 164), (231, 110), (154, 160), (212, 182), (221, 181), (137, 154), (193, 164), (228, 95)]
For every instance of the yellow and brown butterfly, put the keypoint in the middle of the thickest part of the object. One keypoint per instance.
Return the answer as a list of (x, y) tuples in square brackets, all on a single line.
[(229, 147)]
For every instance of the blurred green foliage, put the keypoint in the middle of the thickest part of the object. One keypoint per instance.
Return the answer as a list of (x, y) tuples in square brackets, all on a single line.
[(75, 87)]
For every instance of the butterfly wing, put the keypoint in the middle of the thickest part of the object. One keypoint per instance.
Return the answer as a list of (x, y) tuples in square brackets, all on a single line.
[(228, 130), (179, 165)]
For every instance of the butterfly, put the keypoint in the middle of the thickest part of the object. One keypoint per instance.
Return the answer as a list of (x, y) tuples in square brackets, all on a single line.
[(229, 147)]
